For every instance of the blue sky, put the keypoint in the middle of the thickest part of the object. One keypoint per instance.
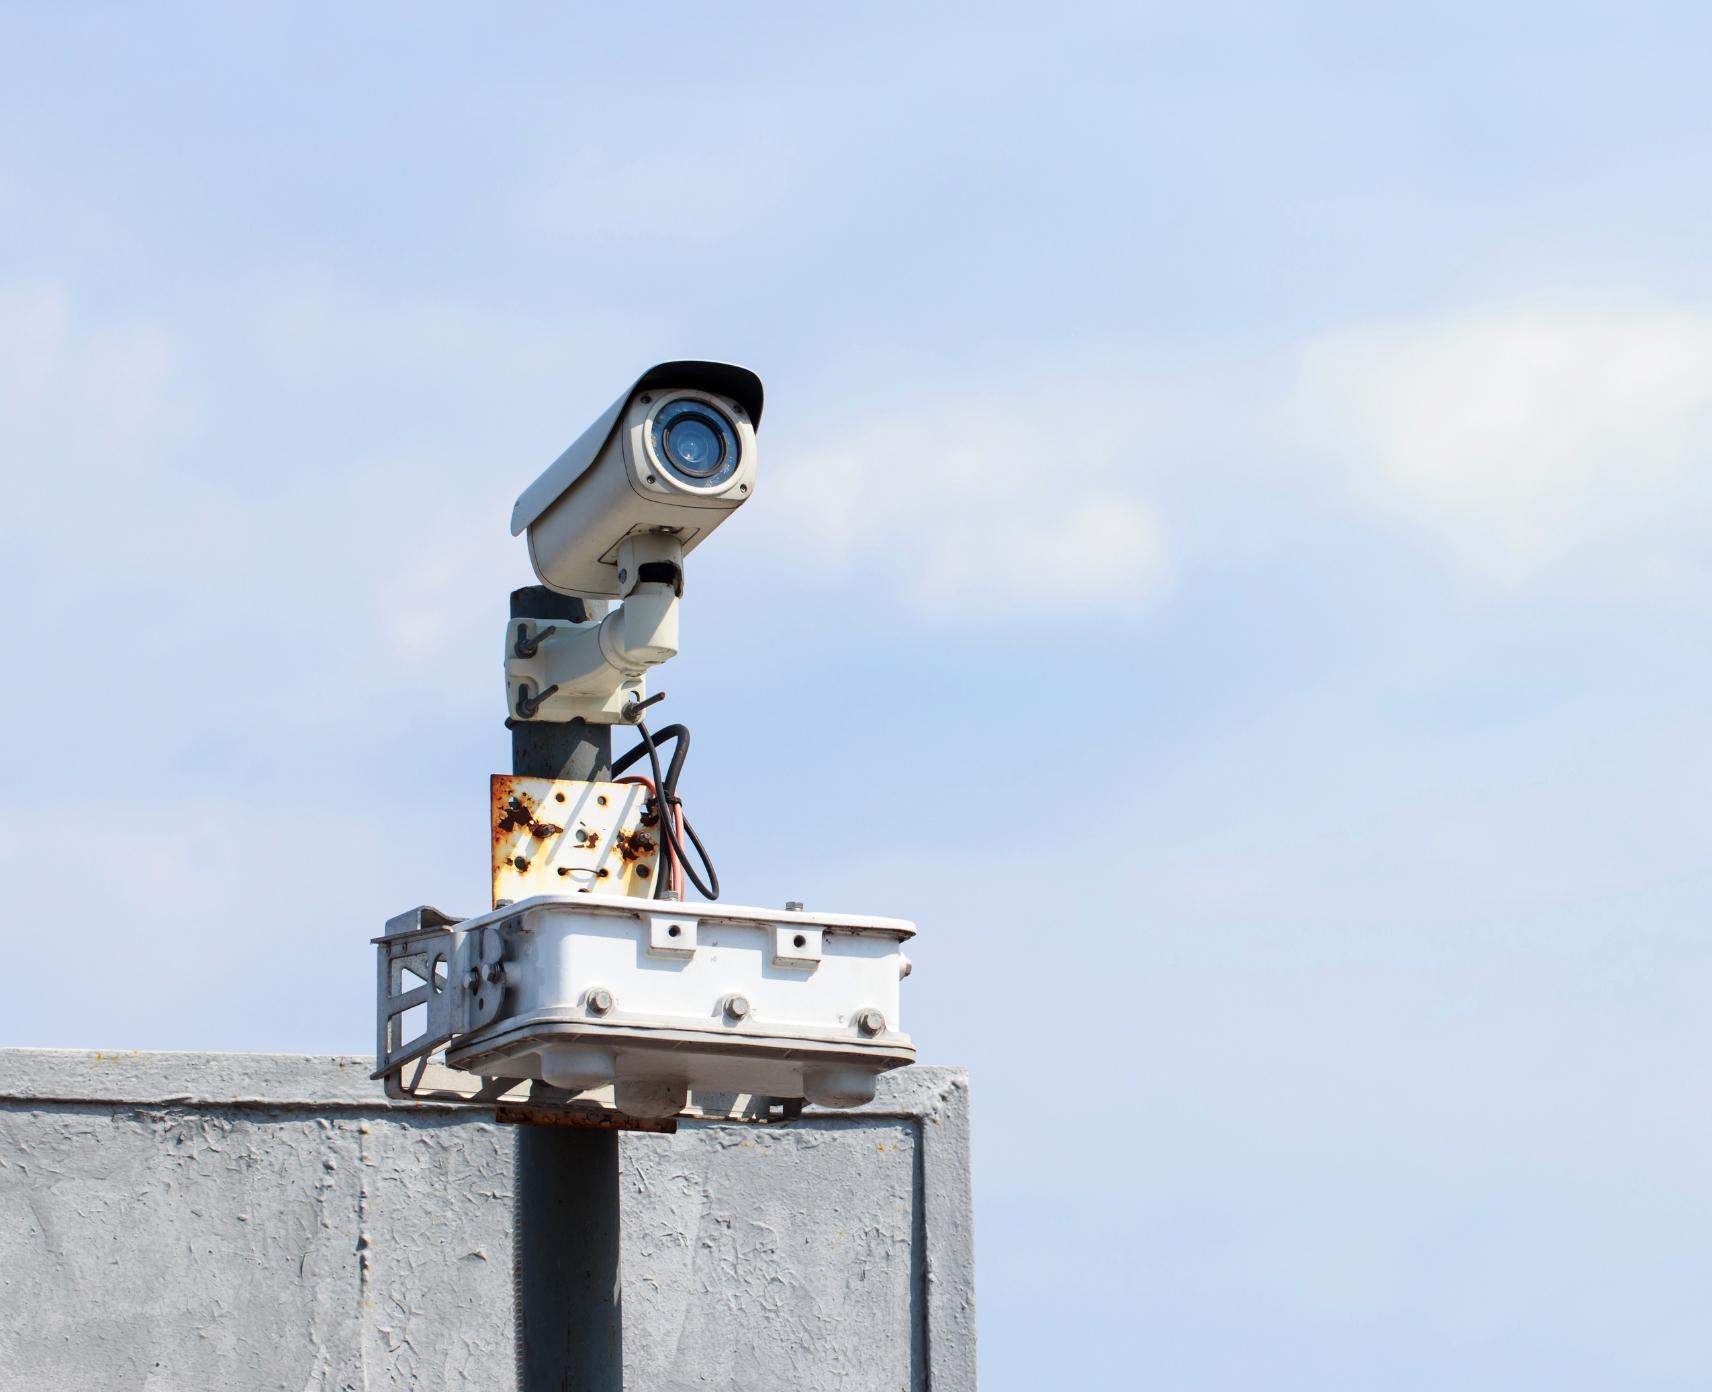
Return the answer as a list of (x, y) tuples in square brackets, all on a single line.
[(1231, 563)]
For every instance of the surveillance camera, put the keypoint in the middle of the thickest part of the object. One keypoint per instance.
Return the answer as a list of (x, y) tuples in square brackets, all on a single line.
[(672, 458)]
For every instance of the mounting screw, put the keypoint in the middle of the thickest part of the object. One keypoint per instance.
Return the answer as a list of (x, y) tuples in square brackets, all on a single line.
[(870, 1021), (474, 977), (737, 1007), (528, 705), (600, 1000), (793, 906), (632, 709), (496, 971), (525, 646)]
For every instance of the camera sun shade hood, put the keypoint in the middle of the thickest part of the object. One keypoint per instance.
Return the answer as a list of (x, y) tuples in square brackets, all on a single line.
[(723, 379)]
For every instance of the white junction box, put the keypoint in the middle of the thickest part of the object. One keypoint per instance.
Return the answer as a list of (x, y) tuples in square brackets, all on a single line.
[(648, 1008)]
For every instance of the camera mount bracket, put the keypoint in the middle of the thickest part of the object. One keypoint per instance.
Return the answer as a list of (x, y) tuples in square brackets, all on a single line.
[(559, 670)]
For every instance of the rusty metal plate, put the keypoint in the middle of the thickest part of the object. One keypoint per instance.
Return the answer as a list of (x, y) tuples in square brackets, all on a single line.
[(558, 836)]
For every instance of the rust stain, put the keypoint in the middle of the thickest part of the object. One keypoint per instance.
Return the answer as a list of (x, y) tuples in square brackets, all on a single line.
[(514, 815), (515, 811), (633, 845)]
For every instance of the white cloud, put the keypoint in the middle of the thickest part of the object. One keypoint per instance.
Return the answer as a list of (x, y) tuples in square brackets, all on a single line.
[(1535, 449), (1023, 497)]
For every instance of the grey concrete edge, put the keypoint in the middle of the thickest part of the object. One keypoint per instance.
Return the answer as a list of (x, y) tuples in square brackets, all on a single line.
[(337, 1081), (935, 1098)]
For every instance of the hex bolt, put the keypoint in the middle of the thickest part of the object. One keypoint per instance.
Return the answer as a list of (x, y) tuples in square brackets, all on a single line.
[(737, 1007), (474, 977), (870, 1021), (600, 1000), (793, 906)]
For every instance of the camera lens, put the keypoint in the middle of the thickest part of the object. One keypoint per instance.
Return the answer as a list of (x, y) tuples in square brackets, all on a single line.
[(693, 446), (695, 442)]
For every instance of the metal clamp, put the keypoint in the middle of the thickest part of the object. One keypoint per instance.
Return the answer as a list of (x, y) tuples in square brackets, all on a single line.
[(455, 977)]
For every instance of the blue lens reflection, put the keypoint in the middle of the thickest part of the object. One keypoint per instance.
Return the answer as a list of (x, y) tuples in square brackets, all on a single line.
[(693, 445)]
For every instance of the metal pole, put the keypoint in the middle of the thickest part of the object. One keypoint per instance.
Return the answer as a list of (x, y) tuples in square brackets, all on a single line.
[(569, 1310)]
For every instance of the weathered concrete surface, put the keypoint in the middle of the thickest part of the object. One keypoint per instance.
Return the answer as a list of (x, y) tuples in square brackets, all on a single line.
[(266, 1221)]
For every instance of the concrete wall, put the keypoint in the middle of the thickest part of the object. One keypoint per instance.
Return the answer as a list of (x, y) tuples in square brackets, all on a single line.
[(186, 1221)]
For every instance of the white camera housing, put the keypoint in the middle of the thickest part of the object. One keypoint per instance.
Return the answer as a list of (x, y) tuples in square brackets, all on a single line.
[(619, 480)]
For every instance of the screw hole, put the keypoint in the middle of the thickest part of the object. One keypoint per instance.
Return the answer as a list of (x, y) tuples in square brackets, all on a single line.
[(673, 931), (558, 797), (799, 941)]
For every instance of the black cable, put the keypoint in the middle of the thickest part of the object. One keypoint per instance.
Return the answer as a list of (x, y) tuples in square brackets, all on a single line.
[(680, 733), (668, 806)]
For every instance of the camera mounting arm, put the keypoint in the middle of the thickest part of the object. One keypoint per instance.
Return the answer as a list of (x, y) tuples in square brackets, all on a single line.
[(556, 670)]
